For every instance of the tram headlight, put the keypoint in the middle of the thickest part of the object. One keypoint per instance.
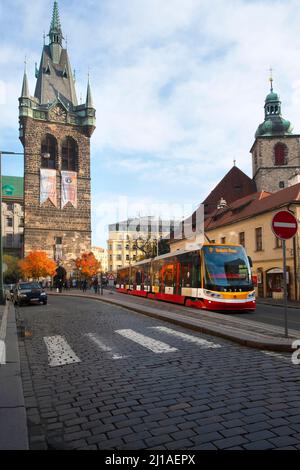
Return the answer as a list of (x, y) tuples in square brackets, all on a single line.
[(251, 295), (214, 295)]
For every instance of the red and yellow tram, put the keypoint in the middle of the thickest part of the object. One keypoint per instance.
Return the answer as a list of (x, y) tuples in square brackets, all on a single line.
[(215, 277)]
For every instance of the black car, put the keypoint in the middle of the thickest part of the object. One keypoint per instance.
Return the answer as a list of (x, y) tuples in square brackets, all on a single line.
[(26, 292)]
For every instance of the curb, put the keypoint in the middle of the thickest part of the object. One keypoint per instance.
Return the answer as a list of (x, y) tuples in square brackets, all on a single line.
[(267, 343), (297, 307), (13, 418)]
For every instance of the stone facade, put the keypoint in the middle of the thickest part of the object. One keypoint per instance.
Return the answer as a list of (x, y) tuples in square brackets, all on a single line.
[(45, 223), (267, 175), (64, 233)]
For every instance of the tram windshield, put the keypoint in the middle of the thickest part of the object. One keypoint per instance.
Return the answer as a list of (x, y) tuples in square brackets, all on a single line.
[(227, 268)]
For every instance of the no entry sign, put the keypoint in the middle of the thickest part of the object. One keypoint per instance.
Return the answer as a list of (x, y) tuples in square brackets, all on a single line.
[(284, 225)]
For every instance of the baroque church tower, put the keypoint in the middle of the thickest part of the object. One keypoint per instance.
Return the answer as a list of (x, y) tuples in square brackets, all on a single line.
[(55, 132), (276, 151)]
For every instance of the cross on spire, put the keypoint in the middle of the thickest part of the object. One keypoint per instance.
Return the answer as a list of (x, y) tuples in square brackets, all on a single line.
[(271, 78)]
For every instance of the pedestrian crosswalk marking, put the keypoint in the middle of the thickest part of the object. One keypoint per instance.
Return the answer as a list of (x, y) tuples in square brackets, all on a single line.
[(190, 338), (59, 351), (103, 347), (147, 342)]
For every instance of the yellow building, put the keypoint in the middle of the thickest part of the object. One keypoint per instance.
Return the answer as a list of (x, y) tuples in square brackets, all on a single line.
[(101, 255), (247, 221), (126, 239)]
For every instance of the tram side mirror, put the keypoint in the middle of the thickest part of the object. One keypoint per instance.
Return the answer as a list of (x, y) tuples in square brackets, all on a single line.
[(250, 262)]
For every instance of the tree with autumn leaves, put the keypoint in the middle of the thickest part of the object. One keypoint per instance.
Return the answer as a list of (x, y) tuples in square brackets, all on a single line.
[(88, 265), (37, 265)]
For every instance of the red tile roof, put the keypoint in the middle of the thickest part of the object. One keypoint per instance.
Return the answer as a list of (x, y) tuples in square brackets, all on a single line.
[(252, 205), (235, 185)]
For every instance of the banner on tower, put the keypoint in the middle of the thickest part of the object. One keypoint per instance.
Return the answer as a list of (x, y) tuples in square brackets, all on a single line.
[(48, 186), (68, 188)]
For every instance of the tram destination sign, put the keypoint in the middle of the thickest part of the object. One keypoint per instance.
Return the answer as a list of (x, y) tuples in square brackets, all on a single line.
[(284, 225)]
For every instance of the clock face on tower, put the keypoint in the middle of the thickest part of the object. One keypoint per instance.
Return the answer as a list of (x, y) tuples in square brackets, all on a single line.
[(58, 114)]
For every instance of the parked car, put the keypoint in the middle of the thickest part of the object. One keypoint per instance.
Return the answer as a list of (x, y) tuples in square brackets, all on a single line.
[(26, 292)]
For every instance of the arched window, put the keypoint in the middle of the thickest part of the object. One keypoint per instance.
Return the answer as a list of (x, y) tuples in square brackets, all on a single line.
[(69, 153), (280, 153), (49, 152)]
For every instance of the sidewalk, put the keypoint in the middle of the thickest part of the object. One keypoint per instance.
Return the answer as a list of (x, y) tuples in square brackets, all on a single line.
[(13, 420), (278, 303), (246, 332)]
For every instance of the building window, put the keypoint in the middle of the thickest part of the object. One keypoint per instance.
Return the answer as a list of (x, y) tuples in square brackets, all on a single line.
[(9, 240), (58, 240), (21, 222), (119, 257), (258, 239), (69, 152), (10, 206), (9, 222), (127, 257), (223, 240), (281, 184), (280, 154), (49, 152), (242, 238)]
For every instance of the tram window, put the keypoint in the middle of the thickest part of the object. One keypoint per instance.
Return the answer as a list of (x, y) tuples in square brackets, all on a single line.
[(168, 276), (187, 275), (138, 277), (156, 274)]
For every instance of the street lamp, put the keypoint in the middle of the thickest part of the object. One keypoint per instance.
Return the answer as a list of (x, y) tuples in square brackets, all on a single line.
[(2, 152)]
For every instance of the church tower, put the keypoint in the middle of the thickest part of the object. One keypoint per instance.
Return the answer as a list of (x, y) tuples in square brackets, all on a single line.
[(275, 152), (55, 132)]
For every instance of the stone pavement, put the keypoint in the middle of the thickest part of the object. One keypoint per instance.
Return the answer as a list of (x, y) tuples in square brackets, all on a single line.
[(248, 333), (124, 394), (13, 426)]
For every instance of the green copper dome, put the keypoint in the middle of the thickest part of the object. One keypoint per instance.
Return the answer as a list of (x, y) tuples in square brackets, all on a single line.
[(272, 97), (274, 124)]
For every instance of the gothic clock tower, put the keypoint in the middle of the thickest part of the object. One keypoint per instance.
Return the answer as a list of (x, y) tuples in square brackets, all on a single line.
[(55, 132)]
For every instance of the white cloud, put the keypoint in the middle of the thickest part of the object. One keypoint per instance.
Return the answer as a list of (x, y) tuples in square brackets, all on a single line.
[(179, 87)]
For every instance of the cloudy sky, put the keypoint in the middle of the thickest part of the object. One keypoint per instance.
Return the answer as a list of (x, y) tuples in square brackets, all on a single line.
[(179, 87)]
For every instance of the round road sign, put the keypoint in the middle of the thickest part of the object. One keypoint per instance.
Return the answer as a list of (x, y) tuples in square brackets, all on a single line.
[(284, 225)]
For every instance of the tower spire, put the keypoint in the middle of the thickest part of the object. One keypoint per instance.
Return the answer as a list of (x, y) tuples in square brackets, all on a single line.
[(55, 27), (25, 87), (89, 99), (55, 35)]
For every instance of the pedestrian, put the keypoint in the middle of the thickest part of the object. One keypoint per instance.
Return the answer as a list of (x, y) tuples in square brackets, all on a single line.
[(84, 285), (95, 284)]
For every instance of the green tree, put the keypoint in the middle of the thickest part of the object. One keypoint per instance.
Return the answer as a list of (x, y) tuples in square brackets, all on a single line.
[(13, 272)]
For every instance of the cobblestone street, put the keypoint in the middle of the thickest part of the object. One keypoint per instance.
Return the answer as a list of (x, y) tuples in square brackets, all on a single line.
[(132, 382)]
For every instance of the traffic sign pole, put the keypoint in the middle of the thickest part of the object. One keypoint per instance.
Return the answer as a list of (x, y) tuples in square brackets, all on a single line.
[(285, 288), (284, 226)]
